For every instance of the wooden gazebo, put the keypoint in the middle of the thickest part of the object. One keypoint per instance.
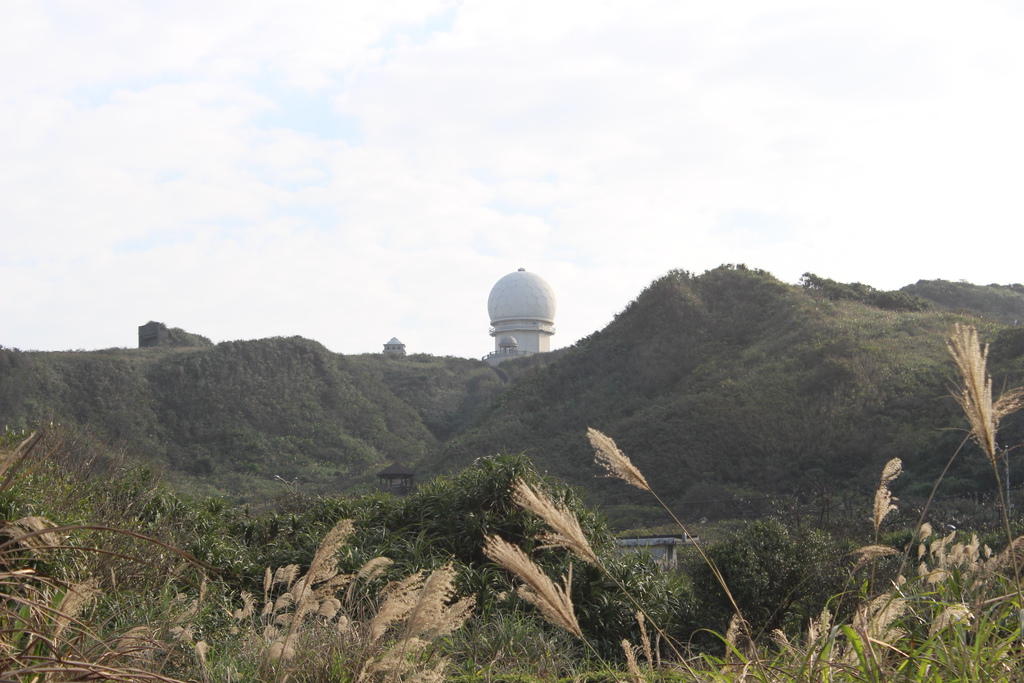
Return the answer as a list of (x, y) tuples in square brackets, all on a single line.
[(396, 479)]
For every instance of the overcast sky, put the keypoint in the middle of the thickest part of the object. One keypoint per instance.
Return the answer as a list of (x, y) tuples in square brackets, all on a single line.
[(351, 171)]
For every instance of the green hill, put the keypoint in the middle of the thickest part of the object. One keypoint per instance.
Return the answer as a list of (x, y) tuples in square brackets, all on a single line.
[(239, 417), (735, 393), (738, 394), (1003, 303)]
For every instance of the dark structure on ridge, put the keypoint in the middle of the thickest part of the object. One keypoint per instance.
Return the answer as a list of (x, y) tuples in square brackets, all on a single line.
[(153, 334)]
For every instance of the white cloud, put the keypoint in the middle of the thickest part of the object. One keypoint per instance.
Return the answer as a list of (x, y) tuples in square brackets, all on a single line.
[(358, 170)]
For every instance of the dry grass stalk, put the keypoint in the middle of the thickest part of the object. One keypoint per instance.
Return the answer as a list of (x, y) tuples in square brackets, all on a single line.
[(645, 640), (1011, 556), (30, 533), (434, 674), (631, 665), (738, 630), (941, 558), (398, 659), (938, 548), (373, 568), (869, 553), (568, 533), (874, 619), (552, 600), (932, 575), (618, 465), (137, 640), (369, 571), (282, 603), (817, 628), (433, 616), (247, 609), (952, 614), (329, 608), (202, 649), (781, 640), (310, 610), (975, 394), (401, 598), (984, 415), (614, 461), (883, 497), (285, 576), (424, 601), (312, 594), (402, 663), (74, 600), (325, 562), (732, 634)]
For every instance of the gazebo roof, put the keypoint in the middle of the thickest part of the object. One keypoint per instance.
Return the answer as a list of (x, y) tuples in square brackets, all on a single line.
[(397, 470)]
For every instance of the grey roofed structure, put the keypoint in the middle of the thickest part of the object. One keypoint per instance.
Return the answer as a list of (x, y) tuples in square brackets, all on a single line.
[(397, 479), (662, 549), (395, 347)]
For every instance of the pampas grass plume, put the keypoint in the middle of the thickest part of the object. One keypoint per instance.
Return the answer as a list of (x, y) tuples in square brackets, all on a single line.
[(568, 533), (883, 497), (975, 393), (325, 562), (614, 461), (631, 666), (552, 600)]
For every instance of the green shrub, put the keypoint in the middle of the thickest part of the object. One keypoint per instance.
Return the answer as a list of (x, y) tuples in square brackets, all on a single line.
[(779, 578)]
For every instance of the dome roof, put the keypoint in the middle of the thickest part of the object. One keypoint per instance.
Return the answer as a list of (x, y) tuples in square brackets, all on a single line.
[(521, 295), (508, 341)]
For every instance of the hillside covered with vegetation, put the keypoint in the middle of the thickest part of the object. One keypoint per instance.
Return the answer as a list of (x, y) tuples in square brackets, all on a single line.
[(249, 418), (738, 393), (807, 406)]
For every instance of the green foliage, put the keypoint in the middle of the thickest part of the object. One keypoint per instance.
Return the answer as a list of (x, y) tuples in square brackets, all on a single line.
[(180, 338), (513, 646), (447, 518), (1004, 303), (902, 300), (733, 389), (959, 620), (780, 578), (956, 618), (446, 393), (235, 417)]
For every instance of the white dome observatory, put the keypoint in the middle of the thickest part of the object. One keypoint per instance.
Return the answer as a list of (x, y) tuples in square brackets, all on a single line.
[(522, 310)]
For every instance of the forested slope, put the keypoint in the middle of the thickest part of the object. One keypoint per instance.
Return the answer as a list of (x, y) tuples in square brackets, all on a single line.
[(240, 417), (730, 388), (1004, 303)]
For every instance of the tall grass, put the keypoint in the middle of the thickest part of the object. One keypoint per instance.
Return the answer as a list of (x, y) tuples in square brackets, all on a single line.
[(959, 617), (48, 628), (311, 626)]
